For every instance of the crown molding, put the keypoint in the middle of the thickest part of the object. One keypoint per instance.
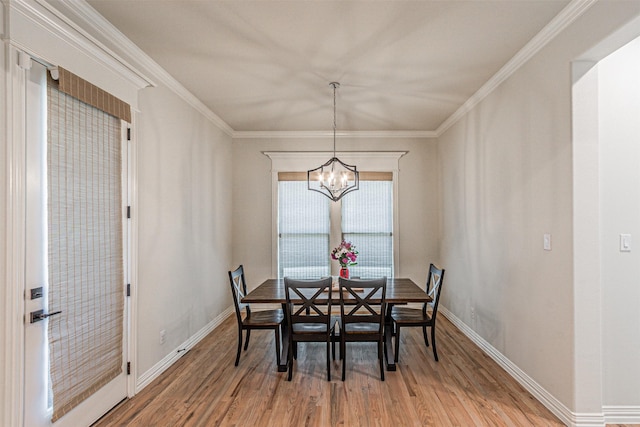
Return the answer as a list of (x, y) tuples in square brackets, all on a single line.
[(292, 161), (323, 154), (52, 20), (103, 27), (328, 133), (561, 21)]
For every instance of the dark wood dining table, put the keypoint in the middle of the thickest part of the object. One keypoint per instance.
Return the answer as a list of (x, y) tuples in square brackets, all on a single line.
[(399, 291)]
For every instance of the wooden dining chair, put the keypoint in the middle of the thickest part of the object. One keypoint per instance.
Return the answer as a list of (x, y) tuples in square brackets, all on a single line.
[(264, 319), (362, 311), (415, 317), (309, 318)]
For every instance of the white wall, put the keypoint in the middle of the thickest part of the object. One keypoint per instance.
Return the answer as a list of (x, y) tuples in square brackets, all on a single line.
[(418, 200), (619, 108), (184, 208), (507, 180)]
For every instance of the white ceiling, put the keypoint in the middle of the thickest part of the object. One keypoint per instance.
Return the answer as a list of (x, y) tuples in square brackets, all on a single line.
[(266, 65)]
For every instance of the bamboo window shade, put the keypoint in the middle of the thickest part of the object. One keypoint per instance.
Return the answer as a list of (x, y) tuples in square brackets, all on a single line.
[(86, 92), (85, 241)]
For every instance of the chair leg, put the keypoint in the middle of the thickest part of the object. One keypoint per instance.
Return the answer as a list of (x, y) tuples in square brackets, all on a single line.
[(328, 362), (277, 332), (290, 361), (343, 357), (433, 341), (239, 345), (246, 343), (380, 357), (384, 347), (397, 344), (424, 334)]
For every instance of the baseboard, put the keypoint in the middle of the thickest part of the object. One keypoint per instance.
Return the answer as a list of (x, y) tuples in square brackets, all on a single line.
[(587, 420), (154, 372), (542, 395), (621, 414)]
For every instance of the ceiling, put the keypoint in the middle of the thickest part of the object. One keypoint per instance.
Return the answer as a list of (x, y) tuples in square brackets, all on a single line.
[(265, 66)]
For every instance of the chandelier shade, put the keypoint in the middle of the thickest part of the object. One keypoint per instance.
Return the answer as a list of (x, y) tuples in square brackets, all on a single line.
[(335, 178)]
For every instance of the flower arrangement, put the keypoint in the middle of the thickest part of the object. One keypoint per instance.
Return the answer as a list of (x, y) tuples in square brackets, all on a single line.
[(346, 254)]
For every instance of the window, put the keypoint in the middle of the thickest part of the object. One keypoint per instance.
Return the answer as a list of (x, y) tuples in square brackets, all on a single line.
[(367, 222), (303, 231), (310, 225)]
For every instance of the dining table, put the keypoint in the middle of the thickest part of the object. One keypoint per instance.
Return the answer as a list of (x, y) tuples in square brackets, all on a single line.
[(399, 291)]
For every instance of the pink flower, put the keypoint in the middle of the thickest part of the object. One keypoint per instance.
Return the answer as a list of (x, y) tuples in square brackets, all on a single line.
[(346, 254)]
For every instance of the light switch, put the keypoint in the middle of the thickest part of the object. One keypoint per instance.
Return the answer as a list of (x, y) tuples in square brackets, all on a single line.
[(546, 242), (625, 243)]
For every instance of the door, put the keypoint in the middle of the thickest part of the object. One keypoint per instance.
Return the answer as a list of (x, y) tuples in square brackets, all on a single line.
[(38, 408)]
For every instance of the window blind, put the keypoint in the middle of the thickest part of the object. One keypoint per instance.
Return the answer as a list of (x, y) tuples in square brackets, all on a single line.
[(303, 231), (85, 252), (367, 222)]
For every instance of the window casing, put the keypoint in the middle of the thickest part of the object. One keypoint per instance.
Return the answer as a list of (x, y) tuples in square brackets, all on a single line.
[(285, 165)]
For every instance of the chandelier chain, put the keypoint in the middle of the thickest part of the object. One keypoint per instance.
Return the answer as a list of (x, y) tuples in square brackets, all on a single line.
[(334, 118)]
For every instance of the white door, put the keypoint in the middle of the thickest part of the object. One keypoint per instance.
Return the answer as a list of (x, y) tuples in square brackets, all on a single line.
[(37, 399)]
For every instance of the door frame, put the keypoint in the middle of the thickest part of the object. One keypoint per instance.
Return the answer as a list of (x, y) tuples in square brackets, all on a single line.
[(15, 237), (12, 394)]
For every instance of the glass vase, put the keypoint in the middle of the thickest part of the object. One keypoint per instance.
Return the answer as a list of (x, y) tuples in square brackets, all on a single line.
[(344, 272)]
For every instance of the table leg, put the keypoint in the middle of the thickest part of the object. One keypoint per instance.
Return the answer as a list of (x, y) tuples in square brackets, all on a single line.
[(284, 354), (388, 343)]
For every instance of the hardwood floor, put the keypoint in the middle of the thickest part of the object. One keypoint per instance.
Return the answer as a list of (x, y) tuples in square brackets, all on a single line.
[(465, 388)]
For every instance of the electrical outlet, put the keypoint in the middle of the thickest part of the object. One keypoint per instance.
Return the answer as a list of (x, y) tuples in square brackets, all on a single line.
[(163, 333), (473, 314)]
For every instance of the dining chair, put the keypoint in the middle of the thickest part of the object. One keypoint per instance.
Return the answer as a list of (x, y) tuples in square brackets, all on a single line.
[(263, 319), (362, 311), (308, 312), (415, 317)]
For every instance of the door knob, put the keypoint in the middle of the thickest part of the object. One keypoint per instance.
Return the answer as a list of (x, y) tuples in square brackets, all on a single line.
[(39, 315)]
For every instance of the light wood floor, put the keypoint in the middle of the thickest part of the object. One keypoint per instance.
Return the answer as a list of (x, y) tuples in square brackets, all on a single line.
[(465, 388)]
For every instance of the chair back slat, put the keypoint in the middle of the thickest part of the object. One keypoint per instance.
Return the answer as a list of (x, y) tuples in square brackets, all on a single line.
[(363, 301), (239, 290), (308, 301), (434, 286)]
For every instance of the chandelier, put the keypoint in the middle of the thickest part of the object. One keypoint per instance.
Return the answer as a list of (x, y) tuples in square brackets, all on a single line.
[(335, 178)]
